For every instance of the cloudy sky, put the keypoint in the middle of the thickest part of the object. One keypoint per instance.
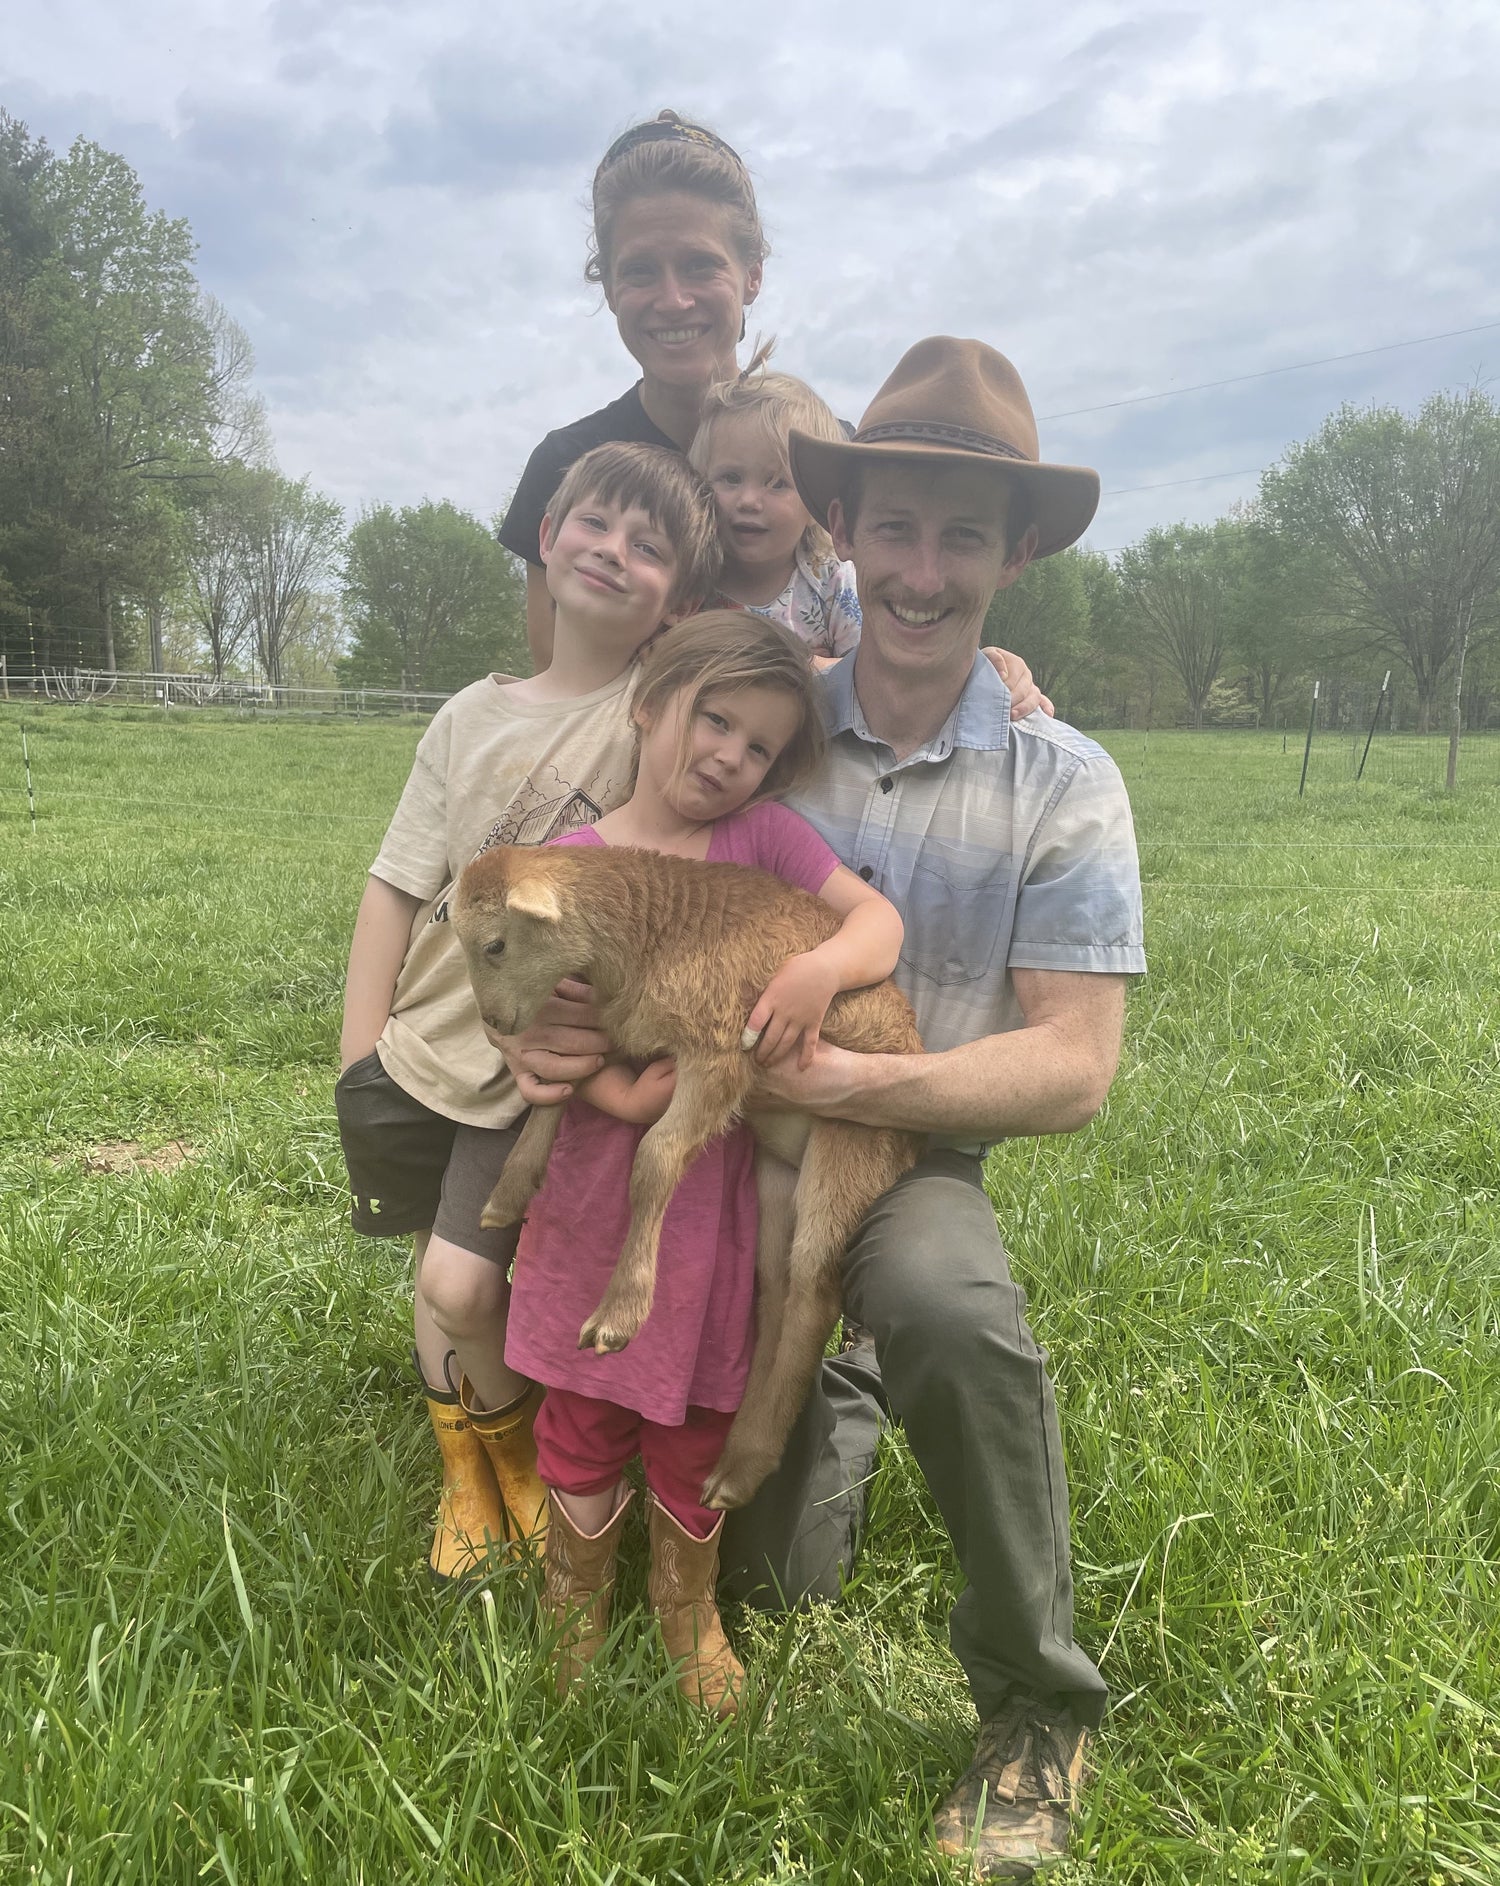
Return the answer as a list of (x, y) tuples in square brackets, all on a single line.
[(390, 199)]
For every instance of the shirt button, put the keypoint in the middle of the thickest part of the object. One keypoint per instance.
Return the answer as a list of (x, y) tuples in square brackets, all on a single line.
[(887, 783), (867, 871)]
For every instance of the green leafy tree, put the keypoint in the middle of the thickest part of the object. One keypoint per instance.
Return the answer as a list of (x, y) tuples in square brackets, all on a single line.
[(118, 386), (1044, 615), (433, 600), (133, 394), (1405, 513), (1277, 619), (27, 529)]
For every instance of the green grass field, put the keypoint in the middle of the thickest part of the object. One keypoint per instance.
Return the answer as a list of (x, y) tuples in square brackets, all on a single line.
[(1268, 1276)]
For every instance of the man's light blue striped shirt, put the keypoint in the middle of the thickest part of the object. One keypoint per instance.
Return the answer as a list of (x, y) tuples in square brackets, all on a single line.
[(1004, 845)]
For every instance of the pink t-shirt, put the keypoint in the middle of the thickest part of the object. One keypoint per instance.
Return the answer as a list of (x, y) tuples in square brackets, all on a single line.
[(694, 1348)]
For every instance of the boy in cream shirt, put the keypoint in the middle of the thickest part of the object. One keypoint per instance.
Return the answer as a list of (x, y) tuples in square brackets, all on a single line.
[(427, 1110)]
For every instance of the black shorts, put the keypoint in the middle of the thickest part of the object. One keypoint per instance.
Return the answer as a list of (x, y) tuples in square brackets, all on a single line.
[(411, 1169)]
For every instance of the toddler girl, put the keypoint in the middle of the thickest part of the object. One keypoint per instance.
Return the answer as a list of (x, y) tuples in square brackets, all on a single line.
[(727, 715), (778, 561)]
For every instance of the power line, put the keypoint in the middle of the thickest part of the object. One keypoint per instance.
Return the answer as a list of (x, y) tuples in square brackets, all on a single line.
[(1173, 484), (1300, 366)]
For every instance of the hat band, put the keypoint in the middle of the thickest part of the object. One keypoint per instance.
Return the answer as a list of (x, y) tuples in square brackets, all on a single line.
[(964, 437)]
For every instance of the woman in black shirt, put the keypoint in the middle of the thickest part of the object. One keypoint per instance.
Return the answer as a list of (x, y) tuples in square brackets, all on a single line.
[(677, 248)]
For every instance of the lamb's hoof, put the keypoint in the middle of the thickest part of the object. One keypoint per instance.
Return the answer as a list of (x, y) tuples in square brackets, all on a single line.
[(732, 1484), (503, 1208), (603, 1338)]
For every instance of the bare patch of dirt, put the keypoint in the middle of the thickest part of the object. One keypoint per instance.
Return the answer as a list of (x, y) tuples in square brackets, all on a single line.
[(129, 1155)]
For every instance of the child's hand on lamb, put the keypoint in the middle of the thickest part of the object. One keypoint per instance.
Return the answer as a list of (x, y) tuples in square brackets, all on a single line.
[(792, 1009), (641, 1098)]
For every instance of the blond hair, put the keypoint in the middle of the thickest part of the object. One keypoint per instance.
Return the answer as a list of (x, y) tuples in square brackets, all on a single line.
[(721, 652), (780, 403), (661, 483), (666, 154)]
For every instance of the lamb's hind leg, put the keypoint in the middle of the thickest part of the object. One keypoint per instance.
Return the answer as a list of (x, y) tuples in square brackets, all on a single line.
[(775, 1190), (844, 1170), (521, 1177), (704, 1103)]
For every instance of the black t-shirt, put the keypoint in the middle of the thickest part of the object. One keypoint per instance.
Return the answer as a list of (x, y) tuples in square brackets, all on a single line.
[(623, 421)]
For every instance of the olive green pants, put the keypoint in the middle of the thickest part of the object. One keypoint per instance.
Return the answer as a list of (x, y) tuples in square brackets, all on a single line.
[(953, 1360)]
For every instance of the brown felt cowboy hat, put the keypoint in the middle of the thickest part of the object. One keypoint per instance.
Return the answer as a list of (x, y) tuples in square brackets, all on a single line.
[(952, 402)]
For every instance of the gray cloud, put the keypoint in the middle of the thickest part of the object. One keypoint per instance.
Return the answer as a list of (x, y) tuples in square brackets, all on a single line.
[(390, 201)]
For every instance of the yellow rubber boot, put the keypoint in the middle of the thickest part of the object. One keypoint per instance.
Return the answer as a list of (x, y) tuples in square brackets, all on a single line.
[(684, 1571), (470, 1516), (577, 1585), (509, 1443)]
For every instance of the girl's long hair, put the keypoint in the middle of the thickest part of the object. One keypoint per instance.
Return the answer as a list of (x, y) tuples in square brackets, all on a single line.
[(721, 652)]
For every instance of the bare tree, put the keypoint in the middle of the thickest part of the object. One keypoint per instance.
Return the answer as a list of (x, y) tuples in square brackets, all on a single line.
[(239, 430), (1178, 583), (216, 594), (289, 541)]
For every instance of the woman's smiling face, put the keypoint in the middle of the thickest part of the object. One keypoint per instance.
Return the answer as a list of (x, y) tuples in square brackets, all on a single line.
[(677, 287)]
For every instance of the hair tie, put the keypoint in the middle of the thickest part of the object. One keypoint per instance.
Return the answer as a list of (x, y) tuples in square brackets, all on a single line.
[(672, 130)]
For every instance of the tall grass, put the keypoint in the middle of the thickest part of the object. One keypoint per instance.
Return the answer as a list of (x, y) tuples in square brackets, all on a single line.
[(1268, 1278)]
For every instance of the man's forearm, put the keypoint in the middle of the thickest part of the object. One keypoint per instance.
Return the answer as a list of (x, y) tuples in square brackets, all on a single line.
[(1003, 1087), (1050, 1076)]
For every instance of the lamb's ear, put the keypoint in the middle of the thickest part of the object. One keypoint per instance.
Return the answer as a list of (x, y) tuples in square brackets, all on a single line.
[(535, 900)]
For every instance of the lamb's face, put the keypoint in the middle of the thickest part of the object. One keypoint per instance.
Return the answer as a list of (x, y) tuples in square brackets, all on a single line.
[(510, 925)]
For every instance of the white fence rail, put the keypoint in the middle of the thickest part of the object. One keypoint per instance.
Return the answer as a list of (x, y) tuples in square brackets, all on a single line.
[(98, 687)]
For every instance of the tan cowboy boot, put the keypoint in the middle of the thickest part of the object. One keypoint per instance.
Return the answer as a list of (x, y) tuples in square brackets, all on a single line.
[(684, 1571), (507, 1437), (470, 1516), (1010, 1811), (577, 1584)]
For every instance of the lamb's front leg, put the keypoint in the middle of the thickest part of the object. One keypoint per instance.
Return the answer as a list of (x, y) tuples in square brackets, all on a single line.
[(522, 1174), (703, 1105)]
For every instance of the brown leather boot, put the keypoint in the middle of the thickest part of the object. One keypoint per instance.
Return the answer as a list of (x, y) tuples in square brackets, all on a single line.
[(470, 1516), (577, 1585), (507, 1437), (1010, 1811), (684, 1571)]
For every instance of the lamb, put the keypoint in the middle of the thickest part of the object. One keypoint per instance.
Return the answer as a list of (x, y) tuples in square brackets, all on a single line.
[(678, 952)]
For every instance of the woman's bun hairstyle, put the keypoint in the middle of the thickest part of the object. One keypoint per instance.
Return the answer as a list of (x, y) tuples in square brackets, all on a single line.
[(664, 154)]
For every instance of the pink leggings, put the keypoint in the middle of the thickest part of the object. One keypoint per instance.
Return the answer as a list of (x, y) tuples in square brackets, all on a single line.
[(582, 1446)]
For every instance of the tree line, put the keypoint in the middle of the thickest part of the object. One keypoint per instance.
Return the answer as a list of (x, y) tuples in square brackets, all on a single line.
[(143, 520), (1372, 546)]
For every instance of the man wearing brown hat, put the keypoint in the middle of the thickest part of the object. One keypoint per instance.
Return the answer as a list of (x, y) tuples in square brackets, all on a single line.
[(1010, 853), (1008, 849)]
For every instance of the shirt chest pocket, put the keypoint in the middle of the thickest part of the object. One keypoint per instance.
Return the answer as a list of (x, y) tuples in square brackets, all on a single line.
[(957, 912)]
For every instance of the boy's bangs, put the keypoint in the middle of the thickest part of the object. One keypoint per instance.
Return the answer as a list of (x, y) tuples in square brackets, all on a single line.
[(674, 497)]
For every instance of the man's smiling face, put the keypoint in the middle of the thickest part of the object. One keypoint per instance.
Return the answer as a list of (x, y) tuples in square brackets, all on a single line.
[(930, 548)]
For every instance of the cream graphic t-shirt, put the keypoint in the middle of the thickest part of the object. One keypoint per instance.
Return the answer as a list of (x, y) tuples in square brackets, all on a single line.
[(488, 771)]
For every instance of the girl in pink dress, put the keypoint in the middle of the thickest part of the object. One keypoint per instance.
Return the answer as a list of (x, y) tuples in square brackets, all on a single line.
[(728, 717)]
